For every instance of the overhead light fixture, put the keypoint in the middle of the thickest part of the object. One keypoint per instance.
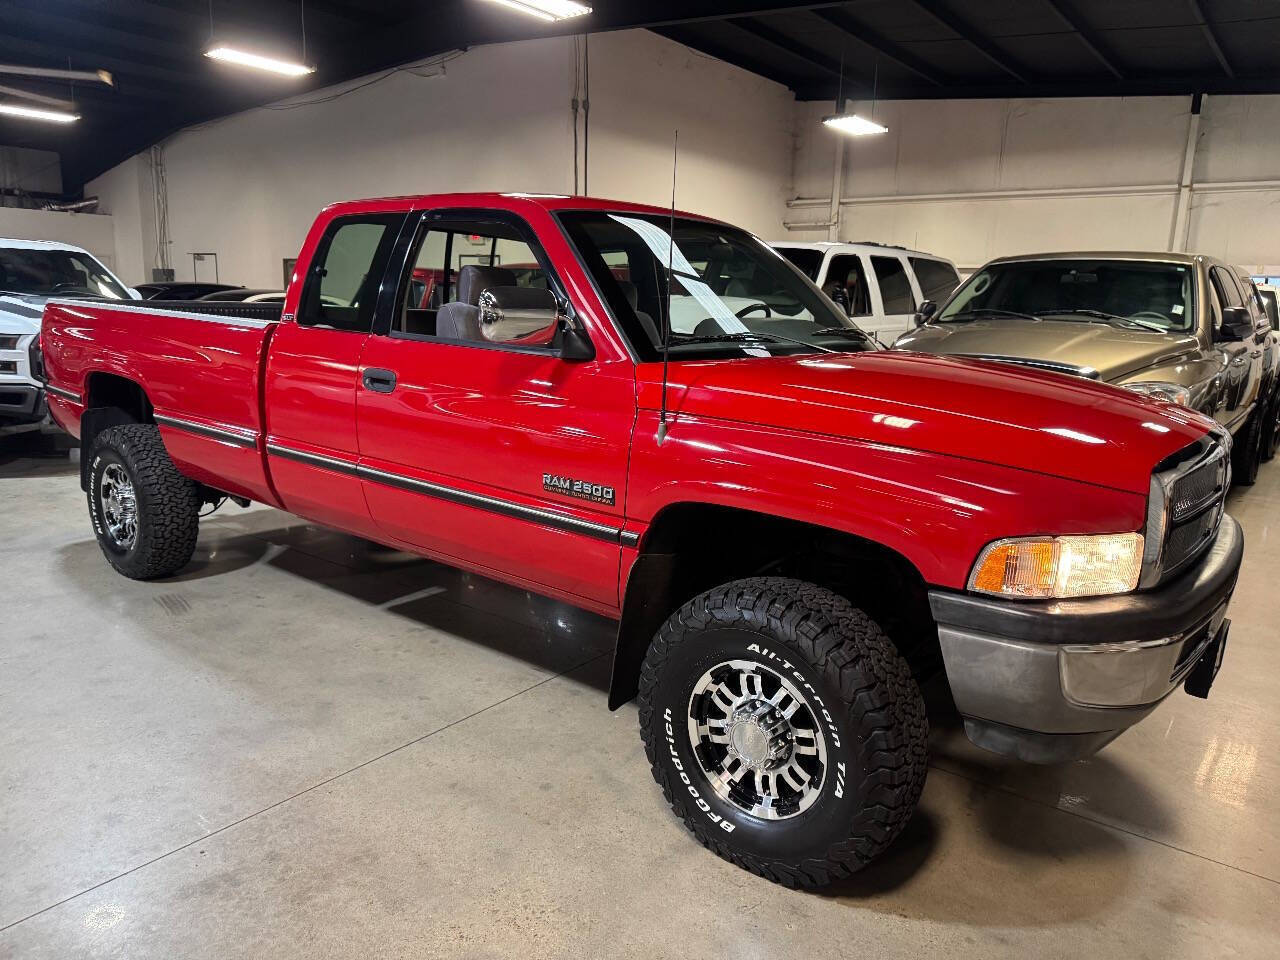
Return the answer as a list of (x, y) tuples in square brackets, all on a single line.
[(854, 125), (35, 113), (549, 10), (245, 59)]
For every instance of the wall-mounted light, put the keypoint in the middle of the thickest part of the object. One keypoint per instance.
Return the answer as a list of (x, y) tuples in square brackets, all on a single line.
[(854, 125), (549, 10), (36, 113), (244, 59)]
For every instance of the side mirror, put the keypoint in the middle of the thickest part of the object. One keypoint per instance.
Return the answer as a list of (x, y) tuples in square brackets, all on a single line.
[(1237, 324), (532, 317), (840, 296), (926, 310)]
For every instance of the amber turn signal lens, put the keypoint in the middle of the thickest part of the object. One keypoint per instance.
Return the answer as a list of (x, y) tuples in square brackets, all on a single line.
[(1059, 567)]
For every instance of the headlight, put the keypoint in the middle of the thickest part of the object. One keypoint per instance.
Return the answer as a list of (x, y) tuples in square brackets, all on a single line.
[(1058, 567), (1173, 392)]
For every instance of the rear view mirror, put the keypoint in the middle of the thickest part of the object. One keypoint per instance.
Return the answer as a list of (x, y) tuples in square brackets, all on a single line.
[(840, 296), (1237, 324), (926, 310)]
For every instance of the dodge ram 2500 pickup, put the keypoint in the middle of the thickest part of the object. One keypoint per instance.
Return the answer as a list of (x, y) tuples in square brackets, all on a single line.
[(667, 423)]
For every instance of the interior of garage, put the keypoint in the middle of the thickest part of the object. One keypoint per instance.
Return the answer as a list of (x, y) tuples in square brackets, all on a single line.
[(307, 744)]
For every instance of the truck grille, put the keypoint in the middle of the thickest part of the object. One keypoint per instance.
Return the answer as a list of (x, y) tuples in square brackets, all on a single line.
[(1196, 483)]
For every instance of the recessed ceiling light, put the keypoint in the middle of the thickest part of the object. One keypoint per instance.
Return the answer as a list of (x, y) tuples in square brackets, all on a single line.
[(549, 10), (35, 113), (854, 125), (245, 59)]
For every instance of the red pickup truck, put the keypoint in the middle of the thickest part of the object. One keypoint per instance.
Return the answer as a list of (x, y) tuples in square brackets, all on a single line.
[(792, 528)]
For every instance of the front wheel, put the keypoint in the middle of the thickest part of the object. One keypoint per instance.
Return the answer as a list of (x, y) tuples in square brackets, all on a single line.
[(145, 513), (784, 728), (1247, 449), (1271, 427)]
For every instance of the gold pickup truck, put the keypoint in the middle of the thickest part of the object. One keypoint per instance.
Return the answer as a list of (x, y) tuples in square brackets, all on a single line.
[(1185, 327)]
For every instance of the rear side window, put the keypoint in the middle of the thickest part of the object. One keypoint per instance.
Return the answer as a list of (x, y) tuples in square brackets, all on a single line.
[(937, 280), (895, 288), (846, 270), (347, 272)]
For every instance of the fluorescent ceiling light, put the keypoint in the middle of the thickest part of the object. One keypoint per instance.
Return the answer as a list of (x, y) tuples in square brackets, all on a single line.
[(35, 113), (240, 57), (549, 10), (854, 125)]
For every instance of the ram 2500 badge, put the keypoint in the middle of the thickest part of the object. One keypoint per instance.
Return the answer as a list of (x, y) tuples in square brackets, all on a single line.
[(791, 527)]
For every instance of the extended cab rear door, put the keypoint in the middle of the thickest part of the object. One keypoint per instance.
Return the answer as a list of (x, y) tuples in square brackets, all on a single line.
[(498, 456), (313, 369)]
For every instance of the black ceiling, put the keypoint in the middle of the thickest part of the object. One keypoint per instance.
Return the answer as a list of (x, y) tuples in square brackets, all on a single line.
[(902, 48)]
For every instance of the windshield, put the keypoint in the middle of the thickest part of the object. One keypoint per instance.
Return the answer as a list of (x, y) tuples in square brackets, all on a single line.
[(730, 293), (56, 273), (1135, 293), (808, 261)]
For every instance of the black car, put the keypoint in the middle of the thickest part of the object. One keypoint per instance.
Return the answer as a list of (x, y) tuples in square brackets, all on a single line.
[(181, 290)]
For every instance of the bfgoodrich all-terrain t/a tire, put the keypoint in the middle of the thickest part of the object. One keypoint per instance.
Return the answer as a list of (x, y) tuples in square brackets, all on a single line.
[(784, 728), (145, 513)]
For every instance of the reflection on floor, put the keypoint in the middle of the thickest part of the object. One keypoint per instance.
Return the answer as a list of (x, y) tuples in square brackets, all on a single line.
[(310, 745)]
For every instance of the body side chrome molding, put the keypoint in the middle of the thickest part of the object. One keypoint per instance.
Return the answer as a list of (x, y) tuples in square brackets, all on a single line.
[(226, 433), (64, 394), (520, 511)]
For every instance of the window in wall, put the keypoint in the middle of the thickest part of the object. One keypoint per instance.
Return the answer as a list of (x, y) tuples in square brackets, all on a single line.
[(846, 270), (347, 271), (895, 288), (938, 280)]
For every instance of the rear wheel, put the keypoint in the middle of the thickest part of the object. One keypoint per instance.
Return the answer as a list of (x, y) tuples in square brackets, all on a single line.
[(145, 513), (784, 729)]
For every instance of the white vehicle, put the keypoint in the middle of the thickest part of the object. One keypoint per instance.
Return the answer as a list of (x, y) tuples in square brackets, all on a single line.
[(31, 273), (880, 286)]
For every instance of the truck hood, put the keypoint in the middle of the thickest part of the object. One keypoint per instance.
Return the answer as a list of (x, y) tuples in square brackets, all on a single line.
[(20, 314), (1112, 353), (995, 412)]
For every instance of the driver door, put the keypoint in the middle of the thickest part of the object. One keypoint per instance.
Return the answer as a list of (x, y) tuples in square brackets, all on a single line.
[(499, 456)]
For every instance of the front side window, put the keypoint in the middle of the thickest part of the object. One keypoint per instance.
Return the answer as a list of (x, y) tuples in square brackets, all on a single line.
[(895, 287), (454, 264), (346, 273), (1135, 294), (938, 280), (56, 273), (846, 270), (730, 294)]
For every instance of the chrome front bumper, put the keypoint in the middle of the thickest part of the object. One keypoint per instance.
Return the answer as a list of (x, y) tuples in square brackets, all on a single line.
[(1054, 680)]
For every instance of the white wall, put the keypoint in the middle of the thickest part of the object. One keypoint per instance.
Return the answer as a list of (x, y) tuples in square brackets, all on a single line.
[(248, 186), (1024, 175), (91, 231)]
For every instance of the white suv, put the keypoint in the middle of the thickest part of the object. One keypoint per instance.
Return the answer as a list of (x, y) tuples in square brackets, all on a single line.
[(880, 286), (31, 273)]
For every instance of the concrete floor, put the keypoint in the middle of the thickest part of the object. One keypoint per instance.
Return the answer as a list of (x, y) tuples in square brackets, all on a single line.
[(309, 746)]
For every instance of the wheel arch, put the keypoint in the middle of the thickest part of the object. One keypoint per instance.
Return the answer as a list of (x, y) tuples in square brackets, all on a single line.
[(693, 546), (109, 401)]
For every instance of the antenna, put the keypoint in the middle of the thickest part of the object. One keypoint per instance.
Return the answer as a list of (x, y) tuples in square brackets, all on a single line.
[(666, 320)]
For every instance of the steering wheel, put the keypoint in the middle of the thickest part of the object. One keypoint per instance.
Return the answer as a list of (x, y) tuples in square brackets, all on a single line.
[(752, 307), (70, 288), (1150, 315)]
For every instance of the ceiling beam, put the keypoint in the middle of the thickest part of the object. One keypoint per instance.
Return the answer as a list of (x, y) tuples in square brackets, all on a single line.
[(1211, 38), (972, 37), (786, 45), (881, 44), (1087, 35)]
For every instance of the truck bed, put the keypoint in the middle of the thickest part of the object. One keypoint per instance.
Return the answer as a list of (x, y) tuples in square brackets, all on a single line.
[(200, 365)]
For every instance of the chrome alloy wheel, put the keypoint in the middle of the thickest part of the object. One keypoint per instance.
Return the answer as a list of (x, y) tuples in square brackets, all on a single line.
[(119, 505), (757, 739)]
